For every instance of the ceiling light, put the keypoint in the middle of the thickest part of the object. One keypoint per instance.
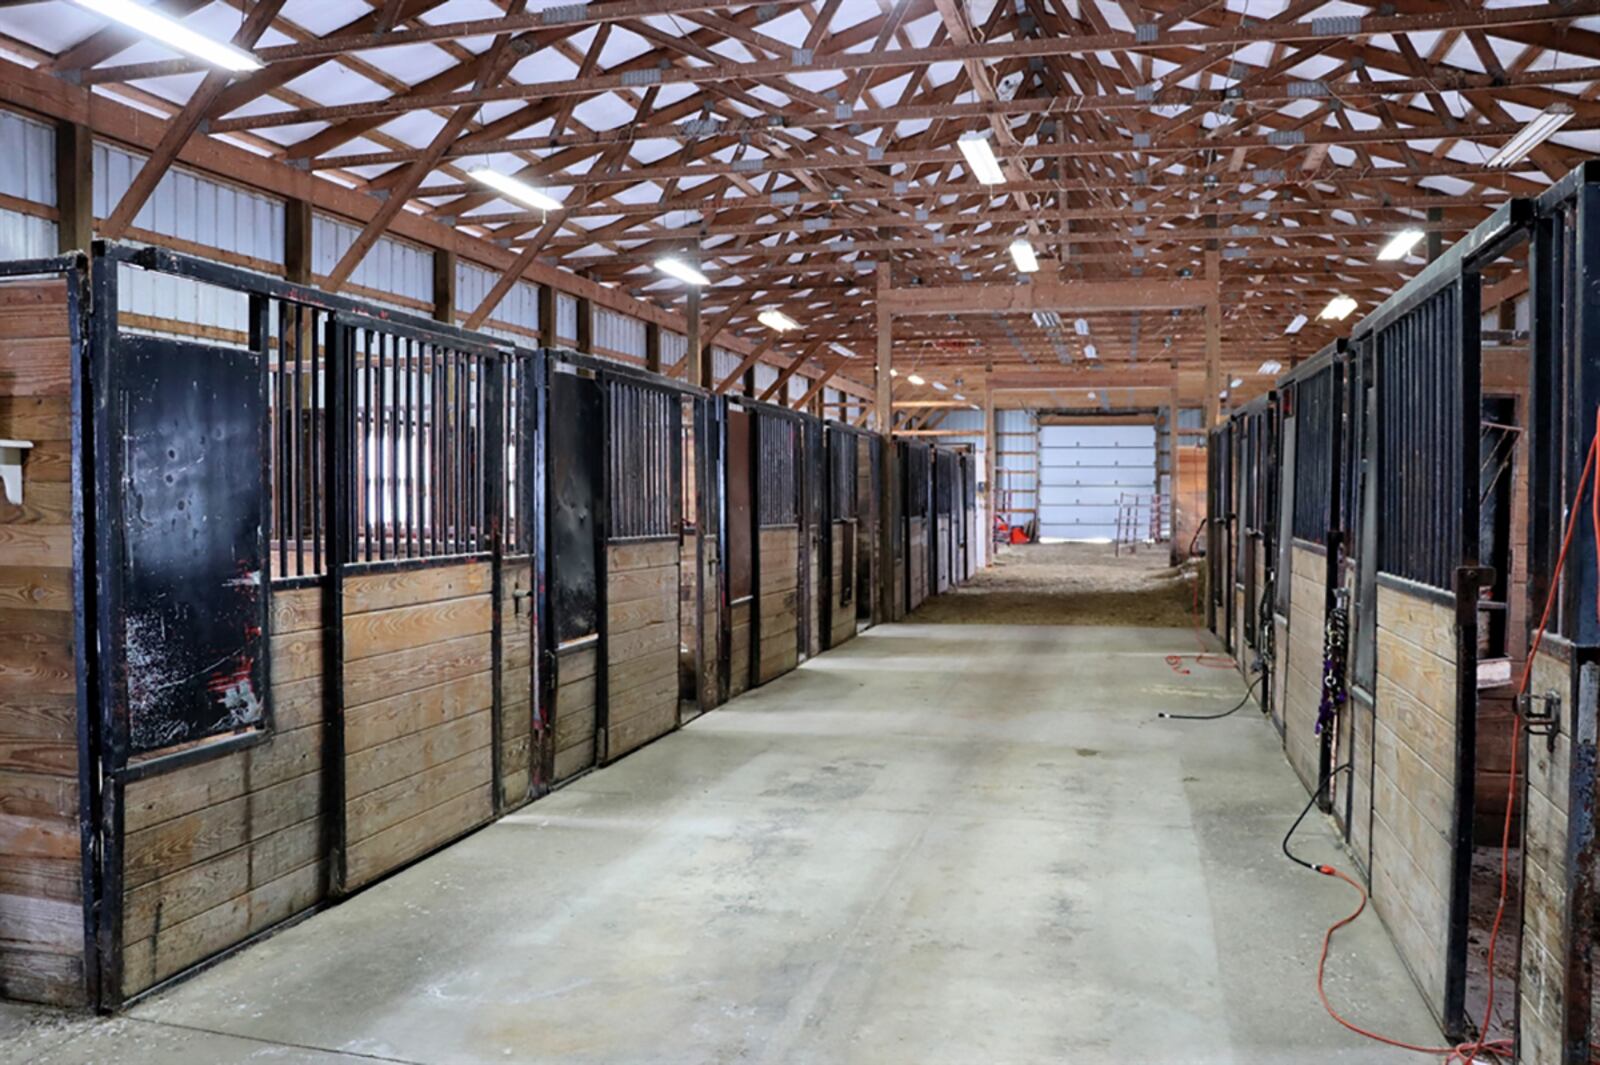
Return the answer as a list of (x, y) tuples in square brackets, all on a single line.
[(1022, 254), (1270, 368), (1092, 395), (840, 349), (960, 396), (1081, 326), (1338, 309), (1400, 245), (1236, 382), (1538, 130), (515, 189), (173, 33), (1047, 319), (938, 387), (893, 372), (1089, 352), (914, 379), (682, 271), (1297, 324), (980, 159), (776, 320)]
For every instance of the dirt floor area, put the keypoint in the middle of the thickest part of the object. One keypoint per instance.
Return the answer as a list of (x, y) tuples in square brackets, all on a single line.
[(1071, 584)]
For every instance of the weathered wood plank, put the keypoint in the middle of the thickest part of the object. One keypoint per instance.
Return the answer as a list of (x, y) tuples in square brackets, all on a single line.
[(412, 838), (380, 676), (364, 592), (374, 767), (379, 632)]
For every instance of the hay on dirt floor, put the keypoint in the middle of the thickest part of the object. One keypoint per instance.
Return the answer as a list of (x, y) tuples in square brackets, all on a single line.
[(1071, 584)]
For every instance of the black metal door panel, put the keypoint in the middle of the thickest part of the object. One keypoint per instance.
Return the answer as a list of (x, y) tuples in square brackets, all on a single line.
[(576, 452), (190, 514)]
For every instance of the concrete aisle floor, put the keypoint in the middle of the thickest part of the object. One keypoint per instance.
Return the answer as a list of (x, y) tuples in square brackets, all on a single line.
[(956, 844)]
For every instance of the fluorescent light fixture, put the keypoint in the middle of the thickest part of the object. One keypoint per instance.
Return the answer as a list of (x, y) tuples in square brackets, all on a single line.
[(1089, 352), (1298, 323), (980, 159), (1538, 130), (1093, 396), (776, 320), (960, 396), (1270, 368), (173, 33), (1338, 309), (514, 189), (1022, 254), (1400, 245), (893, 372), (1047, 319), (939, 387), (1081, 327), (1236, 382), (840, 349), (914, 379), (682, 271)]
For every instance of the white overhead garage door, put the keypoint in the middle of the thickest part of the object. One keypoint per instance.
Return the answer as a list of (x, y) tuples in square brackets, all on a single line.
[(1085, 469)]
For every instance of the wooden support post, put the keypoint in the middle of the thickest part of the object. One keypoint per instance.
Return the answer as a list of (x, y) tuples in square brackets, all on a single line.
[(884, 379), (1213, 403), (692, 360), (652, 347), (74, 187), (547, 316), (297, 242), (444, 286)]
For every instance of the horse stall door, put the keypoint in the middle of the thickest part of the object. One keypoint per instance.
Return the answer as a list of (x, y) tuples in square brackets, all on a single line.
[(778, 570), (642, 561), (812, 608), (740, 521), (868, 507), (518, 635), (576, 479), (184, 628)]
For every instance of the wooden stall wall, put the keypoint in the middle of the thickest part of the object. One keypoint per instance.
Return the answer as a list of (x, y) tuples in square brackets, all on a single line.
[(780, 585), (642, 634), (517, 682), (41, 898), (573, 744), (219, 851), (1546, 930), (1300, 652), (418, 709), (1414, 770)]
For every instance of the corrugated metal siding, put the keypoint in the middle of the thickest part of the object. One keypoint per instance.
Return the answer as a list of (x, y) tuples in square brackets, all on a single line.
[(392, 266), (167, 298), (765, 376), (514, 317), (618, 333), (566, 318), (22, 236), (28, 161), (185, 205), (674, 346)]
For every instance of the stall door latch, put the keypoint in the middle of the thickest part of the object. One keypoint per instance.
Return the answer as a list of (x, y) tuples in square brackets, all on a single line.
[(1541, 714)]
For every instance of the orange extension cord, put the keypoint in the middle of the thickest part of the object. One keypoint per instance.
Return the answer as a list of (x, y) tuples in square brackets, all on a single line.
[(1467, 1053)]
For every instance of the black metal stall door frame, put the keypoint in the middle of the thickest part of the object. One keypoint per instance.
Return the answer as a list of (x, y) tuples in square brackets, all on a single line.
[(1439, 547)]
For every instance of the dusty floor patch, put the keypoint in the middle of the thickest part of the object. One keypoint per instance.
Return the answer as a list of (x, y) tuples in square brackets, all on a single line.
[(1070, 584)]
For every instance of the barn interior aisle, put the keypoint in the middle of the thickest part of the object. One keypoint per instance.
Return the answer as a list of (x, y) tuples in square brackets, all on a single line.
[(875, 858)]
